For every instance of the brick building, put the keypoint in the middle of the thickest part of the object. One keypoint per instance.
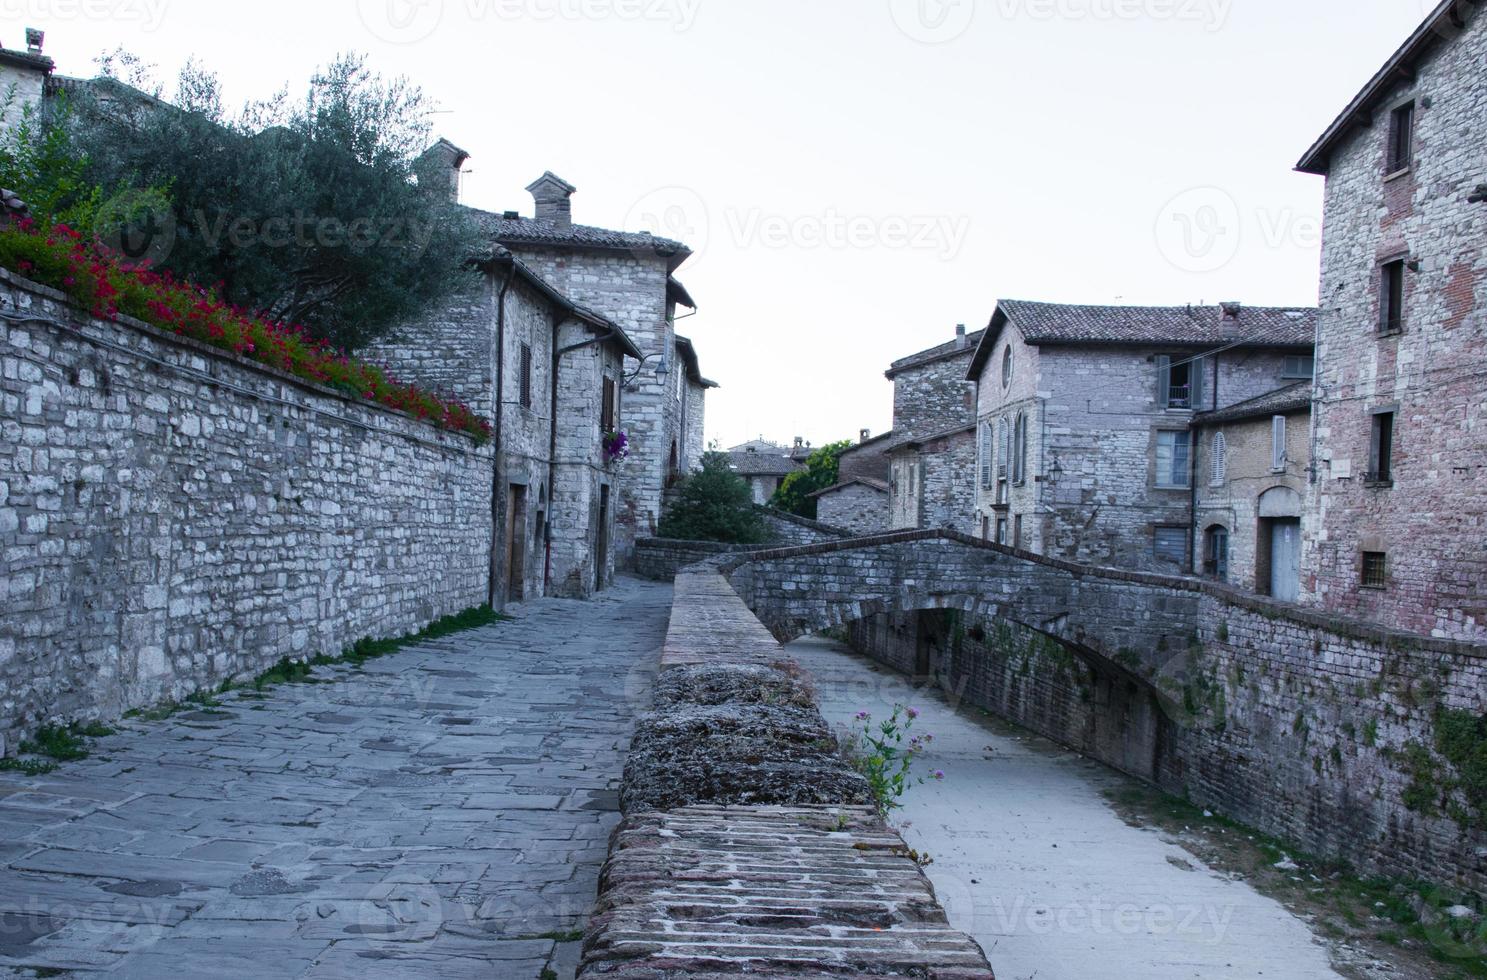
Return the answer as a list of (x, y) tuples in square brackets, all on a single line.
[(628, 278), (549, 374), (1085, 450), (1395, 520), (1251, 474)]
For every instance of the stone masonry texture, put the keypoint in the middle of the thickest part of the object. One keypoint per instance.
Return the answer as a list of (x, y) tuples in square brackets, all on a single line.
[(746, 847), (1430, 522), (1315, 728), (172, 516)]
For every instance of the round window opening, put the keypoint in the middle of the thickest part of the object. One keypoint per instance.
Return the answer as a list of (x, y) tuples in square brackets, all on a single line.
[(1007, 369)]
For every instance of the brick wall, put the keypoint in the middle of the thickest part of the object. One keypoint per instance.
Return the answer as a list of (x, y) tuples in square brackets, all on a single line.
[(856, 507), (172, 516), (1431, 522)]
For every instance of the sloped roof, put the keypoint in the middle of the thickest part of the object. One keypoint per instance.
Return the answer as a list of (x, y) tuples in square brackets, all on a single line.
[(1282, 401), (916, 442), (531, 231), (864, 481), (1445, 23), (677, 293), (503, 258), (688, 352), (874, 443), (763, 464), (1047, 324), (946, 351)]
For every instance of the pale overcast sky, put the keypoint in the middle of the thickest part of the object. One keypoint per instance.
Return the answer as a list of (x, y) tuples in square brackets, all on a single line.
[(856, 176)]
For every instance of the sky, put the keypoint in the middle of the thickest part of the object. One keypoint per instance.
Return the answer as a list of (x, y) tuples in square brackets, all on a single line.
[(856, 177)]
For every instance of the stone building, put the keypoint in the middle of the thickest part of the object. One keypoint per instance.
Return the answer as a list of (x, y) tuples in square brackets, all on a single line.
[(868, 459), (1395, 518), (1085, 450), (860, 504), (764, 466), (1251, 477), (549, 374), (628, 278), (23, 78), (934, 481), (930, 393)]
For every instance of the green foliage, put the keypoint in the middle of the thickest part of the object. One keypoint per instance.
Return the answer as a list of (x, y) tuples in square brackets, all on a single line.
[(311, 212), (884, 753), (822, 471), (39, 162), (714, 504), (28, 767)]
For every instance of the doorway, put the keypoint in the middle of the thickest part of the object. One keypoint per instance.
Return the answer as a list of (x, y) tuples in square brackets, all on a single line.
[(601, 541), (1280, 553), (516, 543)]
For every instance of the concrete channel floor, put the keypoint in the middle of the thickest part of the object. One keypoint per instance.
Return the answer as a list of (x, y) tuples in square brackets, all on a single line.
[(1032, 861), (444, 812)]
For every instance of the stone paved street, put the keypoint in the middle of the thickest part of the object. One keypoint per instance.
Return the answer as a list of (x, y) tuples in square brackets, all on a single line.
[(1031, 860), (443, 812)]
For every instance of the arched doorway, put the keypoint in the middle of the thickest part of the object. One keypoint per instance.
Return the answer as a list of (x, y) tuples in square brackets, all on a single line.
[(1278, 544)]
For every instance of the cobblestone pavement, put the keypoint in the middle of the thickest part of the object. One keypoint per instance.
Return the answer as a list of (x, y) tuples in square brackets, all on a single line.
[(443, 812), (1031, 860)]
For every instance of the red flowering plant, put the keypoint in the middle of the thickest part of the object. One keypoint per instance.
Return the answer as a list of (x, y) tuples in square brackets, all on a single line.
[(109, 286)]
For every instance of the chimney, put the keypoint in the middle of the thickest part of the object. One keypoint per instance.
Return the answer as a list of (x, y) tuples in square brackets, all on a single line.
[(553, 196), (35, 40), (866, 434), (439, 169), (800, 442), (960, 335), (1232, 311)]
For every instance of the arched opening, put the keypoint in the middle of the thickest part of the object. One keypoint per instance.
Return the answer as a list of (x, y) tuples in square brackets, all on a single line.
[(1216, 552), (1278, 544)]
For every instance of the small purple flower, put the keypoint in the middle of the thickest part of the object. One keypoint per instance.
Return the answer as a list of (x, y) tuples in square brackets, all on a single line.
[(864, 716), (913, 714), (939, 774)]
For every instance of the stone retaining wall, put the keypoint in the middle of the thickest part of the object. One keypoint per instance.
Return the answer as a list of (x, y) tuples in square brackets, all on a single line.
[(660, 559), (747, 846), (172, 516)]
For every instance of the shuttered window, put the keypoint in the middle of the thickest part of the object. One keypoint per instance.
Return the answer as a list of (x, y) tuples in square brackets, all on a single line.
[(1019, 451), (607, 420), (987, 461), (1220, 453), (526, 375), (1278, 443), (1171, 544)]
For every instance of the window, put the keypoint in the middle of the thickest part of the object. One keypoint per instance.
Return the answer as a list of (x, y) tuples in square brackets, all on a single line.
[(1001, 531), (1401, 138), (1004, 448), (1172, 545), (1278, 444), (1219, 451), (1174, 460), (1019, 451), (607, 413), (1375, 570), (1391, 297), (1299, 367), (1216, 553), (988, 463), (526, 375), (1007, 368), (1381, 450), (1180, 382), (1017, 532)]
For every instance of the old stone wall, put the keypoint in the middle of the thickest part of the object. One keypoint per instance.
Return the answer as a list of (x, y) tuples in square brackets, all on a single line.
[(856, 507), (660, 559), (934, 396), (172, 516), (934, 484), (1331, 733), (1429, 521), (452, 351), (20, 87)]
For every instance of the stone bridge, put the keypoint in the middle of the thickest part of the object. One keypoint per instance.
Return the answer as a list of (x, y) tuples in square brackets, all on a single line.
[(1314, 728)]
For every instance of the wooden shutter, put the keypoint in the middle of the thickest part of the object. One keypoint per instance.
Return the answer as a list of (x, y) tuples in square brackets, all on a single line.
[(1164, 382), (986, 454), (526, 375), (1199, 374), (606, 419), (1278, 443)]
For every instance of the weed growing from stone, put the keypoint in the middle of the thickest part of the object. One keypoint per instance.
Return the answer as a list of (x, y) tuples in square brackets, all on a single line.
[(63, 744), (884, 753), (27, 767)]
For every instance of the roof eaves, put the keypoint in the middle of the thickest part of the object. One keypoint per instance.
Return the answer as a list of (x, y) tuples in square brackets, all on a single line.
[(1282, 401), (1446, 21), (868, 482)]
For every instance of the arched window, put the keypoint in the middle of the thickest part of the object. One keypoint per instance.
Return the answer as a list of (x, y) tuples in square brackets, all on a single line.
[(1216, 552), (1007, 368), (1219, 451), (1019, 451)]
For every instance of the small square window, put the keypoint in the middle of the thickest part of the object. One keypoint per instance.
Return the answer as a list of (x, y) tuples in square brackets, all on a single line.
[(1391, 297), (1171, 544), (1300, 367), (1401, 138), (1375, 570)]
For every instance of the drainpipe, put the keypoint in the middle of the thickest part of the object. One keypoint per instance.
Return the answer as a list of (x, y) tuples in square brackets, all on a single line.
[(498, 538), (552, 449)]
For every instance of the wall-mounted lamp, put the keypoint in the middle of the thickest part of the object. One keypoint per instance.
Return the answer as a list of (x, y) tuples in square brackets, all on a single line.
[(663, 369), (1056, 471)]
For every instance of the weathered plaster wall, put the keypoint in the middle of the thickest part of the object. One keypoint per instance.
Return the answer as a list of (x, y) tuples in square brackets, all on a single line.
[(172, 516), (1430, 522)]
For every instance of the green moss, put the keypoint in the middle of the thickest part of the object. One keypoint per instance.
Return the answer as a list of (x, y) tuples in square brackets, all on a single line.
[(1371, 732), (27, 767)]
